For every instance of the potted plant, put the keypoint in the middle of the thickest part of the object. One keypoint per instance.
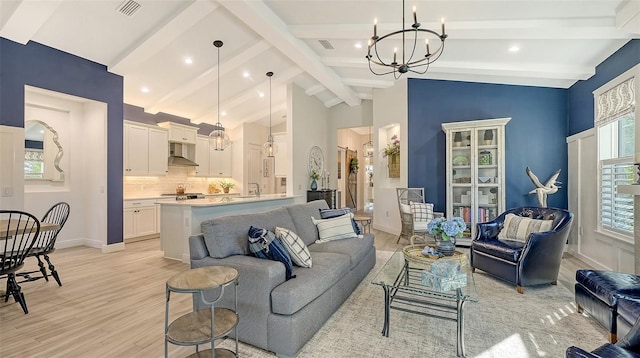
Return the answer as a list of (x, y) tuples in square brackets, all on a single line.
[(446, 231), (354, 165), (393, 152), (226, 185), (314, 176)]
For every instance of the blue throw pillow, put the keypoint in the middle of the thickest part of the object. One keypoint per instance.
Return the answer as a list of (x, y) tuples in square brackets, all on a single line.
[(333, 213), (265, 245)]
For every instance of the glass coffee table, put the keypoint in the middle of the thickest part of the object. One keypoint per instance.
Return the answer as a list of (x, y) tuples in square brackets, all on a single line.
[(401, 281)]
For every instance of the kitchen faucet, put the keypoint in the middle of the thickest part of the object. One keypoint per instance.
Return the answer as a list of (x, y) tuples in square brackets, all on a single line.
[(257, 188)]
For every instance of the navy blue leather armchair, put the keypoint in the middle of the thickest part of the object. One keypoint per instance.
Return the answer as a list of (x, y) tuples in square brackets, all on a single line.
[(627, 347), (524, 264)]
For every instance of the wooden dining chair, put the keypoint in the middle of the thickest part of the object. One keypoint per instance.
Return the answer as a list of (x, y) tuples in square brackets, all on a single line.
[(45, 242), (18, 232)]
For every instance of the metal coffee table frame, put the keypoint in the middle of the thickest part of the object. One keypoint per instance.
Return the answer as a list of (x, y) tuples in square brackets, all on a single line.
[(407, 293)]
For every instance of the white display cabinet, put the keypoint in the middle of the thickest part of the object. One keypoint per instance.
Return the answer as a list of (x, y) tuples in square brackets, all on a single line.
[(475, 172)]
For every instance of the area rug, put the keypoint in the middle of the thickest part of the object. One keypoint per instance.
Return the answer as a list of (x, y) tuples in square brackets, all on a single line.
[(542, 322)]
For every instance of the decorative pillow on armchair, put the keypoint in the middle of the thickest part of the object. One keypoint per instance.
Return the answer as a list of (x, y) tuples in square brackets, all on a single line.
[(264, 244), (421, 211), (518, 228)]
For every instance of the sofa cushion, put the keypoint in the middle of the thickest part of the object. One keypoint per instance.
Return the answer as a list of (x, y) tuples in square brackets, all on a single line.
[(504, 249), (519, 228), (608, 286), (335, 229), (263, 244), (227, 235), (355, 248), (301, 215), (295, 246), (332, 213), (291, 296)]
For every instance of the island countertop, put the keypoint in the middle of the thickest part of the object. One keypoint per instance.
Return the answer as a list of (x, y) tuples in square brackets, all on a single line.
[(226, 200)]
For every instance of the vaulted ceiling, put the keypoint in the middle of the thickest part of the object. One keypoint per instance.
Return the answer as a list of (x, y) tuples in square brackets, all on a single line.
[(559, 42)]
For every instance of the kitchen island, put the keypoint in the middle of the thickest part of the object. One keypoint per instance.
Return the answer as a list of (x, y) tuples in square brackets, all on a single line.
[(181, 218)]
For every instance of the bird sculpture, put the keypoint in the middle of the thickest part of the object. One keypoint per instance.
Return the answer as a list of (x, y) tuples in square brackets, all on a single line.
[(542, 190)]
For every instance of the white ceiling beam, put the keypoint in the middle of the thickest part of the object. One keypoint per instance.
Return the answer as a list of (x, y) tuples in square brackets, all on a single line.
[(332, 102), (27, 19), (258, 16), (362, 82), (314, 90), (148, 46), (553, 29), (279, 79), (502, 69), (365, 95), (205, 78), (628, 17)]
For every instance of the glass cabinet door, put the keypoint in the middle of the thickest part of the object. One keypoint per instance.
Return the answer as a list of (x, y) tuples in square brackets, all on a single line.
[(488, 174)]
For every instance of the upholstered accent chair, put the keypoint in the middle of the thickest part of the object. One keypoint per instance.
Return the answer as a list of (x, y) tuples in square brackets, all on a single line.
[(507, 247), (415, 214)]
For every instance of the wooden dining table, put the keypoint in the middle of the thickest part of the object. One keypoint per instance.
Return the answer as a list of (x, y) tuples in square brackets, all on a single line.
[(12, 228)]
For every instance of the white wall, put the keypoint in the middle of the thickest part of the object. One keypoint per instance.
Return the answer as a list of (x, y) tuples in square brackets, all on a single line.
[(307, 117), (81, 127), (390, 109), (12, 173)]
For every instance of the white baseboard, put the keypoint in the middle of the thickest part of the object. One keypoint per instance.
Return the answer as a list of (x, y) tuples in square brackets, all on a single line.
[(113, 247), (388, 229), (69, 243)]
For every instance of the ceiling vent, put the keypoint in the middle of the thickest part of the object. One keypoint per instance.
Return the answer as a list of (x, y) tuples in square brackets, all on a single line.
[(129, 8), (326, 44)]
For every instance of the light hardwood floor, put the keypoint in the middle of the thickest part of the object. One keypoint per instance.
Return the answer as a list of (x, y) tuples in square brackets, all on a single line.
[(113, 305)]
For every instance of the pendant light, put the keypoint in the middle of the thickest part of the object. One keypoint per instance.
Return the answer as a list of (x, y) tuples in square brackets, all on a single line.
[(218, 138), (269, 148), (368, 146)]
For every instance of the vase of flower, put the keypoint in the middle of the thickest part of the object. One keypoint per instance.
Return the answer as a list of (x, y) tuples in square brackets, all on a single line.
[(314, 176), (446, 231), (394, 166), (314, 185)]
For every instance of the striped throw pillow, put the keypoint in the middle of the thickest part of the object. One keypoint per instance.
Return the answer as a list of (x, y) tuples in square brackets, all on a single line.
[(295, 247), (334, 229), (517, 228)]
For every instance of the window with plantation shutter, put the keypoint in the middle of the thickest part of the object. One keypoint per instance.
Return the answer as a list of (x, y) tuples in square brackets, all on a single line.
[(615, 123)]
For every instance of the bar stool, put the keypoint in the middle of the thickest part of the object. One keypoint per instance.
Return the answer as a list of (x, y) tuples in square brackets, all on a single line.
[(207, 325)]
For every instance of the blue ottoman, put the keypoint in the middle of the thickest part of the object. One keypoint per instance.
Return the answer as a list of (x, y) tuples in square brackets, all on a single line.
[(598, 293)]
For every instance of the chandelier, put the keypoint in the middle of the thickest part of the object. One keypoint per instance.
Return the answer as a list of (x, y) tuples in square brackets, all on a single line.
[(269, 148), (218, 138), (368, 147), (410, 60)]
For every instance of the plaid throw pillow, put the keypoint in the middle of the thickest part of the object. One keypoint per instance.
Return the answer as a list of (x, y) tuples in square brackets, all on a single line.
[(517, 228), (335, 229), (422, 212), (264, 244), (295, 247)]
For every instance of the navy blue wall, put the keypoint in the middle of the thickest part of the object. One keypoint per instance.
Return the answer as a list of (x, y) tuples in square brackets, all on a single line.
[(44, 67), (535, 136), (580, 102)]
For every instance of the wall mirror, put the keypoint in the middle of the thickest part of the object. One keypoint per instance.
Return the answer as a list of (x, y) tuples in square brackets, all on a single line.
[(42, 152)]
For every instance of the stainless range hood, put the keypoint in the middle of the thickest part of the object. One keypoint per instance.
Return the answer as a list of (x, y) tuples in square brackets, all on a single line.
[(176, 156)]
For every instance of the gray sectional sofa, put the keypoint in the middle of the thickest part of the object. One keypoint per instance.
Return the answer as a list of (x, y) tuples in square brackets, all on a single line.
[(278, 315)]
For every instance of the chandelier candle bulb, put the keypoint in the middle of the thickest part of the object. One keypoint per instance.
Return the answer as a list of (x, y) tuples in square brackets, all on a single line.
[(375, 27), (415, 17), (442, 26), (426, 41), (395, 52)]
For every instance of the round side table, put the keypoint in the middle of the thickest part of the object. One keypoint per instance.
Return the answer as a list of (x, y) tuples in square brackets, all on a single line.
[(207, 325), (365, 221)]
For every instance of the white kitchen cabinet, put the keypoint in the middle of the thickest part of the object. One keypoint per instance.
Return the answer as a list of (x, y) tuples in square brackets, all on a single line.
[(179, 133), (140, 218), (212, 163), (475, 169), (145, 150)]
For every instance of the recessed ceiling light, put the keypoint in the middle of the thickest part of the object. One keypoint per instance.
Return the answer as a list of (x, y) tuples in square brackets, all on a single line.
[(245, 74), (514, 48), (144, 90), (260, 94), (188, 60), (358, 45), (223, 113)]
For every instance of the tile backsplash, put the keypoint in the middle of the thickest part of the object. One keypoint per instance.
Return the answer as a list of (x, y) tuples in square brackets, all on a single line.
[(140, 186)]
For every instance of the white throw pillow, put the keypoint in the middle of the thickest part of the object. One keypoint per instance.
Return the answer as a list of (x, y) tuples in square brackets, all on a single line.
[(421, 211), (295, 247), (405, 208), (335, 228), (517, 228)]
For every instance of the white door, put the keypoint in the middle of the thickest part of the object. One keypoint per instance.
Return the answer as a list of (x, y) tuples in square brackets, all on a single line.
[(255, 167)]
